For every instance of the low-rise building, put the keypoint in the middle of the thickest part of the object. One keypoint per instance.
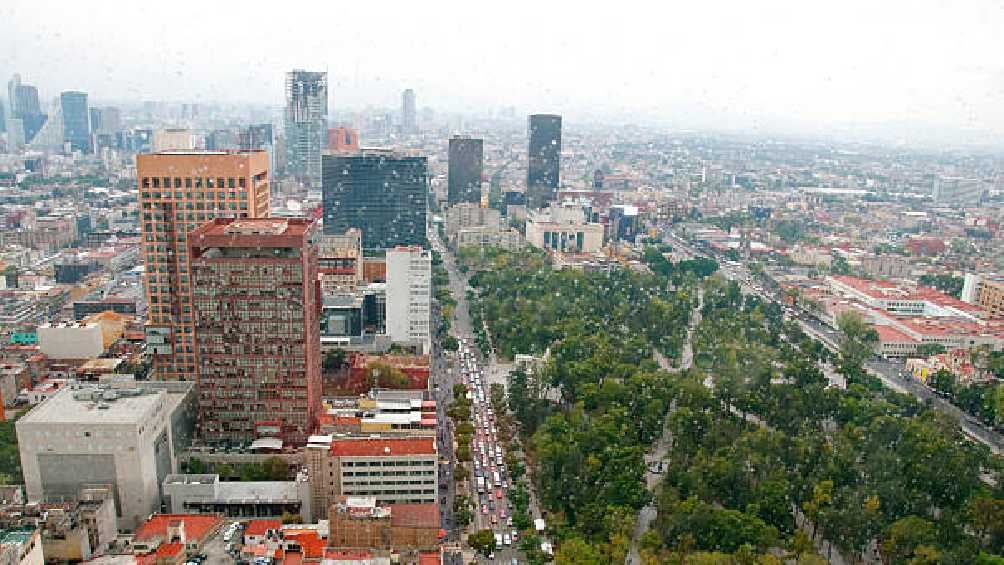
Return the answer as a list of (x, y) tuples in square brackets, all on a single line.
[(124, 434), (359, 522), (393, 470), (207, 494)]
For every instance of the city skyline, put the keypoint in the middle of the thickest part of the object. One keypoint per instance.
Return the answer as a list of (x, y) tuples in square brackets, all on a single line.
[(775, 68)]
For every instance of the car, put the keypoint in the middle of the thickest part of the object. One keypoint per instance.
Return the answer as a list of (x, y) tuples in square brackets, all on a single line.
[(494, 519), (484, 509), (508, 522), (515, 535)]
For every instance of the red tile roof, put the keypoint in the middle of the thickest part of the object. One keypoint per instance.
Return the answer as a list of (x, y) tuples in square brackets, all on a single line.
[(259, 527), (387, 447), (414, 515), (310, 543), (889, 334), (197, 526), (430, 558)]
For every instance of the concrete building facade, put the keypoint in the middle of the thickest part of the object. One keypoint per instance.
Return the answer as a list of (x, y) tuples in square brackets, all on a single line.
[(180, 191), (255, 305), (409, 296), (392, 470), (125, 436)]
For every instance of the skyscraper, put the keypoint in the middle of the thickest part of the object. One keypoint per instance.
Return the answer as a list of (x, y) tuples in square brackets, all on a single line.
[(23, 100), (544, 158), (257, 335), (179, 191), (409, 122), (76, 120), (3, 118), (306, 122), (381, 193), (466, 168)]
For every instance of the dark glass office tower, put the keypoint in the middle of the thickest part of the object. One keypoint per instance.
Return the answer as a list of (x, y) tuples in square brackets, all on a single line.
[(544, 166), (382, 193), (76, 120), (466, 167)]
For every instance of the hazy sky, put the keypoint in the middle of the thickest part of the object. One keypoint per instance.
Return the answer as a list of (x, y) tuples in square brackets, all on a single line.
[(788, 64)]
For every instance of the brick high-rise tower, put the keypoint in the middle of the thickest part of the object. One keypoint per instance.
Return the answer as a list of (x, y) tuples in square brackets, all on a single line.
[(179, 191), (257, 333)]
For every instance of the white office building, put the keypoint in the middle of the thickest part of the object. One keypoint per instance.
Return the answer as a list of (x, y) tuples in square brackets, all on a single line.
[(409, 296)]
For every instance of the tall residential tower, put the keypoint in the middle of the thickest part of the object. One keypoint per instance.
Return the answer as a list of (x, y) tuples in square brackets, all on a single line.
[(258, 346)]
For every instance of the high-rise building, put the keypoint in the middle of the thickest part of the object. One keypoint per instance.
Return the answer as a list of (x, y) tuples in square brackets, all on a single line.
[(466, 167), (179, 191), (409, 120), (260, 136), (258, 347), (76, 120), (409, 280), (544, 158), (306, 122), (343, 140), (23, 100), (382, 193), (3, 118)]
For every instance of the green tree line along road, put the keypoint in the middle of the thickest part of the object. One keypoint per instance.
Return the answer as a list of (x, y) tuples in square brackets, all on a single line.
[(865, 468)]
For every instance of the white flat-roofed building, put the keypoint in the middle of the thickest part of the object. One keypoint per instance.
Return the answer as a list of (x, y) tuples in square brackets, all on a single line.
[(71, 340), (126, 435), (207, 494)]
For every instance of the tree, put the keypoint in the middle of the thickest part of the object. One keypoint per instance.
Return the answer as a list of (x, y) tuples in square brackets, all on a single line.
[(383, 375), (858, 341), (902, 538), (482, 541), (944, 381), (462, 511), (334, 359), (986, 516), (276, 468), (577, 551)]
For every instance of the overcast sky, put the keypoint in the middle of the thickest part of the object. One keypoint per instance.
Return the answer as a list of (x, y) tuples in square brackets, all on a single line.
[(790, 64)]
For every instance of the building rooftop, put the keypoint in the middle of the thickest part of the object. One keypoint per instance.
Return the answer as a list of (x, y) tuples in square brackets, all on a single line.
[(104, 404), (197, 526), (414, 515), (383, 447)]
